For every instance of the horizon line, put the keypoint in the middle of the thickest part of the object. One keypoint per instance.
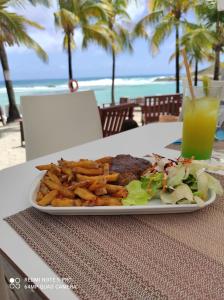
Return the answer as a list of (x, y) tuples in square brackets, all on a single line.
[(96, 77)]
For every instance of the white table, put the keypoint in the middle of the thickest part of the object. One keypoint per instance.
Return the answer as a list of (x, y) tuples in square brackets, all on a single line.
[(15, 183)]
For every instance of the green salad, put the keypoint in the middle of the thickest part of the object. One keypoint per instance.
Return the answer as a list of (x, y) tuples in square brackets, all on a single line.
[(184, 181)]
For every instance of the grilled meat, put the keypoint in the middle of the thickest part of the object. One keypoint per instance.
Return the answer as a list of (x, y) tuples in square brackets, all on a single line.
[(129, 167)]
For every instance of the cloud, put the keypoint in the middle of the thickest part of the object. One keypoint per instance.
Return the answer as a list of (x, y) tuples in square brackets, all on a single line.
[(136, 8), (50, 39)]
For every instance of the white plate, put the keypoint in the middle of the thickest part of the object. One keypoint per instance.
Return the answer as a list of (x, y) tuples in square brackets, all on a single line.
[(153, 207)]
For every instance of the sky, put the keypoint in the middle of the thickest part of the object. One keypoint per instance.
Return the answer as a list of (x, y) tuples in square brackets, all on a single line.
[(90, 63)]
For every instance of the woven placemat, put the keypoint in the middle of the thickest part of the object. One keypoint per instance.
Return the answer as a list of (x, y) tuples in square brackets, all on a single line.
[(217, 146), (178, 256)]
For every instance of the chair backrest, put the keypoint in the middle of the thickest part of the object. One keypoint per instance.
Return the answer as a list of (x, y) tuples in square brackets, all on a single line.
[(113, 117), (124, 100), (154, 106), (56, 122)]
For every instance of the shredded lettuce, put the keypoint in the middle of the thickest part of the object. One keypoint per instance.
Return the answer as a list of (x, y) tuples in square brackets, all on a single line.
[(183, 183), (202, 181), (176, 175), (198, 194), (199, 201), (214, 185), (136, 194), (182, 192), (191, 181), (152, 184)]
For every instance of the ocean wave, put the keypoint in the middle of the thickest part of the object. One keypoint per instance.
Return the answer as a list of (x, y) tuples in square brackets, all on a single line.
[(85, 84)]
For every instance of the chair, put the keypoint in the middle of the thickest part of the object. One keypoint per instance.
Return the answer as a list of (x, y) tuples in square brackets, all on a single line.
[(168, 118), (22, 137), (113, 117), (56, 122), (154, 106)]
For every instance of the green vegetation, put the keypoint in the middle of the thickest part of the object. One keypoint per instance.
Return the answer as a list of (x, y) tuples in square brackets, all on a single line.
[(165, 16), (107, 23), (214, 21), (89, 16), (13, 31), (197, 43), (121, 36)]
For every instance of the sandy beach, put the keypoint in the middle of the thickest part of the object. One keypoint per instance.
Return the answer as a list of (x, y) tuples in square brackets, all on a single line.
[(10, 146), (11, 152)]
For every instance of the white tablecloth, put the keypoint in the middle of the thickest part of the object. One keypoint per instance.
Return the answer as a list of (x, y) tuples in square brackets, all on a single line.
[(15, 183)]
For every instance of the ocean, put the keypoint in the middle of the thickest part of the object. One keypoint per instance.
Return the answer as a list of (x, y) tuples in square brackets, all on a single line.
[(131, 87)]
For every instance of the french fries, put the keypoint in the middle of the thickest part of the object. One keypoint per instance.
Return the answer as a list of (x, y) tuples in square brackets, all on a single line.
[(54, 186), (111, 177), (81, 183), (85, 194), (104, 160), (85, 163), (112, 189), (62, 202), (97, 184), (47, 199), (43, 188), (101, 191), (44, 167), (106, 169), (123, 193), (39, 196), (108, 201), (53, 177), (49, 167), (86, 171)]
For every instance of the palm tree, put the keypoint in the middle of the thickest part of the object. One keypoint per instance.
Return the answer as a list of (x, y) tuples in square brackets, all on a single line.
[(197, 42), (90, 17), (214, 20), (118, 17), (165, 16), (13, 31)]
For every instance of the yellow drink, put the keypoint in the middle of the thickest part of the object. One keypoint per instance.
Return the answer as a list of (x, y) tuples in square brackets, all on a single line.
[(200, 119)]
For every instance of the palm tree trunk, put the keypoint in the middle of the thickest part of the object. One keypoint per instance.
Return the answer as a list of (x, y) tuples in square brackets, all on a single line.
[(217, 64), (113, 77), (196, 73), (217, 51), (70, 75), (177, 60), (13, 109)]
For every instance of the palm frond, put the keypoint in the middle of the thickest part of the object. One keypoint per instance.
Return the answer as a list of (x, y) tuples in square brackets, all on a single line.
[(13, 30), (66, 19), (98, 33), (140, 29), (162, 31), (90, 9), (124, 38)]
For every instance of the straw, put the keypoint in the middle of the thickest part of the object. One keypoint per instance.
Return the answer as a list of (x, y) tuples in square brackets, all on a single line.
[(188, 74)]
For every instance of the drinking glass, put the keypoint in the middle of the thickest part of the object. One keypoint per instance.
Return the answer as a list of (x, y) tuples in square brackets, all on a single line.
[(199, 121)]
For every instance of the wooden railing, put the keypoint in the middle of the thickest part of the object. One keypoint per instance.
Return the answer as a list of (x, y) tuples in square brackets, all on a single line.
[(154, 106), (113, 117)]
